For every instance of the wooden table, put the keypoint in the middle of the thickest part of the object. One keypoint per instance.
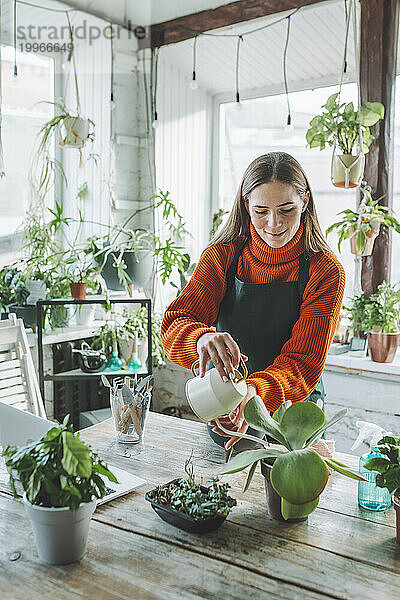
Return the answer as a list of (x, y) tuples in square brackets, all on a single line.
[(341, 551)]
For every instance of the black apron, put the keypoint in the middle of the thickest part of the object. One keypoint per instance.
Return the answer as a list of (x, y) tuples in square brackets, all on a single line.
[(260, 318)]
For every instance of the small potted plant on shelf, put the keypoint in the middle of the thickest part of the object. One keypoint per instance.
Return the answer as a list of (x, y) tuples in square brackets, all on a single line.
[(191, 506), (382, 322), (295, 475), (62, 478), (340, 125), (388, 469), (362, 226), (15, 293)]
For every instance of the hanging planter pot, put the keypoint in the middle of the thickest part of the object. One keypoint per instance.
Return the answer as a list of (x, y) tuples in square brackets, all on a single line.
[(370, 237), (347, 170), (75, 131)]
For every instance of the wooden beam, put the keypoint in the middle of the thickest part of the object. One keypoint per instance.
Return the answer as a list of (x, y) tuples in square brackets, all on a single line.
[(379, 35), (186, 27)]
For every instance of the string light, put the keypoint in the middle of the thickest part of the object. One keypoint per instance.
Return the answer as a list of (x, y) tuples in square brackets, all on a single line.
[(154, 80), (289, 125), (193, 83), (238, 105), (15, 39)]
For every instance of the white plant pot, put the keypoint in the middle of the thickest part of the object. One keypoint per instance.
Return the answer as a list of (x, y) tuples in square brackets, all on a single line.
[(84, 315), (60, 533), (347, 170), (75, 132)]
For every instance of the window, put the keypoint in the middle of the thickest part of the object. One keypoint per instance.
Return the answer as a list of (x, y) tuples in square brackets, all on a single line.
[(23, 115), (259, 128), (396, 187)]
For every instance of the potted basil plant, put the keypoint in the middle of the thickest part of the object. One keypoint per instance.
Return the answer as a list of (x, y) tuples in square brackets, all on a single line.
[(388, 469), (62, 478), (362, 226), (295, 475), (340, 125)]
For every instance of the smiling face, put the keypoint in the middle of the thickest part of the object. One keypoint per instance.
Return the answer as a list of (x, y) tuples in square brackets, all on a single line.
[(275, 210)]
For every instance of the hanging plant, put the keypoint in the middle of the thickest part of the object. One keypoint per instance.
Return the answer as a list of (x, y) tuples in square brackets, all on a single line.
[(341, 126), (362, 226)]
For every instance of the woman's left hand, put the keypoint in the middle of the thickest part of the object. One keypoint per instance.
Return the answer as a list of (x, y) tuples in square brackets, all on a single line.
[(235, 421)]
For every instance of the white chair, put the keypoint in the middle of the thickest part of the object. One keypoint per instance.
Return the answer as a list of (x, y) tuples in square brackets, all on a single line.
[(19, 386)]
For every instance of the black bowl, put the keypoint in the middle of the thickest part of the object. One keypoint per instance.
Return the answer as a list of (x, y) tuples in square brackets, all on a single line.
[(183, 521)]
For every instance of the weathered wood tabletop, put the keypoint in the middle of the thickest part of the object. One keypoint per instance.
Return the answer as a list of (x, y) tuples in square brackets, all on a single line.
[(341, 551)]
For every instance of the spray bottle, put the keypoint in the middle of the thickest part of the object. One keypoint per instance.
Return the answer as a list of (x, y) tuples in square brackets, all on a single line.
[(369, 495)]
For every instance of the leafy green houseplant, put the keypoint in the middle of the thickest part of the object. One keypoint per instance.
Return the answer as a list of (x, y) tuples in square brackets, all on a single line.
[(339, 124), (129, 252), (189, 505), (14, 294), (382, 322), (62, 478), (388, 472), (362, 226), (296, 472), (71, 131)]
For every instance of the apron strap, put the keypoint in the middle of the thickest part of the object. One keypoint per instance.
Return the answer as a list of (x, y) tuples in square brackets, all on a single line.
[(232, 269), (304, 273)]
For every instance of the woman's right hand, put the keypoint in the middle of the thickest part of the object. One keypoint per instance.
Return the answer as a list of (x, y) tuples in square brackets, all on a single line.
[(222, 349)]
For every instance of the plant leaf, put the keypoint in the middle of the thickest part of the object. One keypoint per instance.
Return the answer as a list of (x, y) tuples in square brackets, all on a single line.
[(339, 415), (299, 476), (343, 470), (300, 421), (248, 457), (76, 456), (378, 464), (257, 416), (277, 416), (249, 476), (297, 511)]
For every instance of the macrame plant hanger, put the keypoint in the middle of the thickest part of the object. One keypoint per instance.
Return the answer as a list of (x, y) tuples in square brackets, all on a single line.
[(73, 135), (347, 170)]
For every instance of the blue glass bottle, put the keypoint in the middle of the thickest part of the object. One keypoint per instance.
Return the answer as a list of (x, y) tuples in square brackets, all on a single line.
[(370, 496), (115, 363)]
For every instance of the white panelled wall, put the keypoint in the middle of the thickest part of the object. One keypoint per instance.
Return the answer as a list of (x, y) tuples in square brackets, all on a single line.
[(183, 150), (93, 65)]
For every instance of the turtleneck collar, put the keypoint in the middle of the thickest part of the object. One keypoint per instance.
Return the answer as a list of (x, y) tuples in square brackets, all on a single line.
[(269, 255)]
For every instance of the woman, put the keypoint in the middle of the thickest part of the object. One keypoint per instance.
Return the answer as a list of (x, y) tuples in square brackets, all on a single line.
[(267, 287)]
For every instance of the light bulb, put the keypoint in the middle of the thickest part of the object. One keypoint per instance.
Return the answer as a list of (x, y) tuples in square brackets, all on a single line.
[(238, 105), (112, 104), (193, 85), (289, 129), (155, 124)]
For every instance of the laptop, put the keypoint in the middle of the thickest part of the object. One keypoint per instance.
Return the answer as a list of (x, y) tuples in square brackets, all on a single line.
[(18, 428)]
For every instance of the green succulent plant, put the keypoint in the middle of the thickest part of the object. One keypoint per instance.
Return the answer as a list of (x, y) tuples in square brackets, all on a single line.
[(299, 475)]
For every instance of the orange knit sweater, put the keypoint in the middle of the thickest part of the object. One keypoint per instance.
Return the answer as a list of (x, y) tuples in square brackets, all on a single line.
[(296, 371)]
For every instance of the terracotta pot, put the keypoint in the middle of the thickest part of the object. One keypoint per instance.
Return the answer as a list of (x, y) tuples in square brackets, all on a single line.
[(396, 504), (382, 346), (369, 244), (78, 290), (347, 170), (273, 498)]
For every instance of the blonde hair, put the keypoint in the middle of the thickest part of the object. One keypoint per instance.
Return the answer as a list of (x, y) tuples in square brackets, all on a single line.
[(274, 166)]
